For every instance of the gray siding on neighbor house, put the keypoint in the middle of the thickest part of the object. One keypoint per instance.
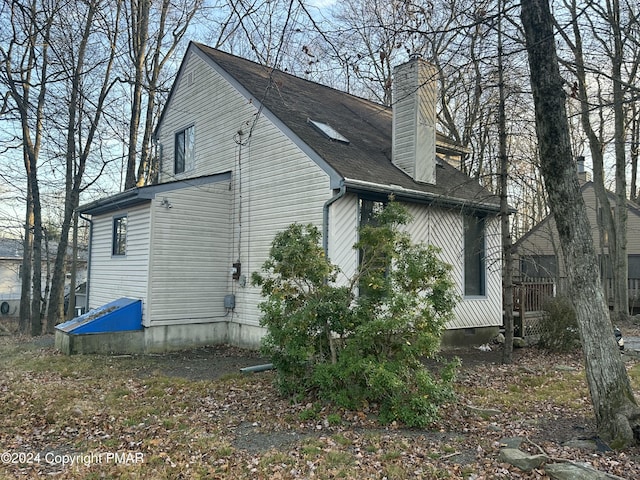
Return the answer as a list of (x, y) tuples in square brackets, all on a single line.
[(543, 239), (113, 277), (10, 281)]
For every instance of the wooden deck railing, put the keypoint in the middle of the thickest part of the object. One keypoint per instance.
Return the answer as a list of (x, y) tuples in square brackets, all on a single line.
[(530, 296)]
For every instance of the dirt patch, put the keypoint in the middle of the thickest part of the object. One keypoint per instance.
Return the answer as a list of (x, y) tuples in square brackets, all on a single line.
[(206, 363)]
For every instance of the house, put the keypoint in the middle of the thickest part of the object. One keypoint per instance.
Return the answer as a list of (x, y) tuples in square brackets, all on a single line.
[(10, 269), (11, 250), (539, 256), (246, 150)]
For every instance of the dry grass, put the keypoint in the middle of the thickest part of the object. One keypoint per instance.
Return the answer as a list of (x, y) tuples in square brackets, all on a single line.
[(131, 417)]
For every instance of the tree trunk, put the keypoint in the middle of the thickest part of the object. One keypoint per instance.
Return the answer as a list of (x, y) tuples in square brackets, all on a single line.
[(170, 28), (25, 292), (36, 291), (635, 143), (139, 34), (620, 264), (616, 411), (71, 307), (507, 257), (613, 221)]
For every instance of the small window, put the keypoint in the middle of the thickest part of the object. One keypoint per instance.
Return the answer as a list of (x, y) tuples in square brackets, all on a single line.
[(184, 150), (368, 211), (119, 245), (474, 256)]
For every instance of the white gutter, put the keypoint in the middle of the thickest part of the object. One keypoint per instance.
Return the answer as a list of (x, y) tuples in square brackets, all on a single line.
[(419, 195)]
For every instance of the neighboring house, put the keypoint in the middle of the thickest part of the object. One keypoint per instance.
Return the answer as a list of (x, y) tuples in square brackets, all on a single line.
[(10, 279), (11, 274), (540, 257), (247, 150)]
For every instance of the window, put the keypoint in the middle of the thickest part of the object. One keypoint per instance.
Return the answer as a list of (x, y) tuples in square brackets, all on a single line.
[(368, 210), (184, 156), (634, 266), (119, 245), (538, 266), (474, 256)]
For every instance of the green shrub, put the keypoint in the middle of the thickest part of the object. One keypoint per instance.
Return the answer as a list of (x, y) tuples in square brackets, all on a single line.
[(559, 326), (325, 339)]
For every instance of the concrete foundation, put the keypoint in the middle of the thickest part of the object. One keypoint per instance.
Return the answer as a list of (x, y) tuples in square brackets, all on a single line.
[(108, 343), (160, 339), (166, 338), (463, 337), (245, 336)]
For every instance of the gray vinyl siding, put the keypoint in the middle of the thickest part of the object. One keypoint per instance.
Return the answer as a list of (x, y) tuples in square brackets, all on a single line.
[(274, 182), (280, 187), (190, 255), (113, 277), (343, 234), (444, 229), (543, 239), (215, 109)]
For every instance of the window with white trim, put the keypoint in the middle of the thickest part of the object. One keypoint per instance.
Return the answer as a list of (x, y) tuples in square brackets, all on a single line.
[(183, 159), (119, 240)]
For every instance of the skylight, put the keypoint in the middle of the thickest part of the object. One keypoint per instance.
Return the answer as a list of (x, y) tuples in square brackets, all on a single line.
[(328, 131)]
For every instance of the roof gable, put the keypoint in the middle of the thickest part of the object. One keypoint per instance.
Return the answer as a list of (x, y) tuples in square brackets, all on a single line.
[(632, 208), (365, 159)]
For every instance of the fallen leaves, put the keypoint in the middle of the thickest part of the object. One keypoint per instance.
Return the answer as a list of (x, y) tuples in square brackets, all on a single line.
[(237, 427)]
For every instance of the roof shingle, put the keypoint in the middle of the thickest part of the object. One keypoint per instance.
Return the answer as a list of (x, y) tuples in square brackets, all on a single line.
[(367, 126)]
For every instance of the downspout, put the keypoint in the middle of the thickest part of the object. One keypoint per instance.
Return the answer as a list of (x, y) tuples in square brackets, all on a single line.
[(88, 259), (325, 218)]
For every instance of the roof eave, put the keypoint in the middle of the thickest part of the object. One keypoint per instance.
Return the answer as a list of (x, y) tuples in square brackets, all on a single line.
[(140, 195), (417, 196)]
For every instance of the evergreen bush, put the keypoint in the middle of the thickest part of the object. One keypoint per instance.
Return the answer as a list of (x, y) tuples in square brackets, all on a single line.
[(559, 326), (350, 348)]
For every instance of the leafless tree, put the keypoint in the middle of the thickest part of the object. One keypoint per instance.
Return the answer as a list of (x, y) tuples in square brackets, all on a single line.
[(617, 413), (155, 29), (25, 75), (507, 247), (86, 41), (599, 41)]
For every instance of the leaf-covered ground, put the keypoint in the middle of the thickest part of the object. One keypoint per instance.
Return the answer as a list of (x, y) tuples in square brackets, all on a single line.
[(193, 415)]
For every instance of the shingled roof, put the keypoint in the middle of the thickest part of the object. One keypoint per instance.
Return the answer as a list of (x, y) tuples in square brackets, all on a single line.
[(366, 158)]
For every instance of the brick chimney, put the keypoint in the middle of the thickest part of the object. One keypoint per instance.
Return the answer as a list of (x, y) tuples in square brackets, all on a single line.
[(415, 92)]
